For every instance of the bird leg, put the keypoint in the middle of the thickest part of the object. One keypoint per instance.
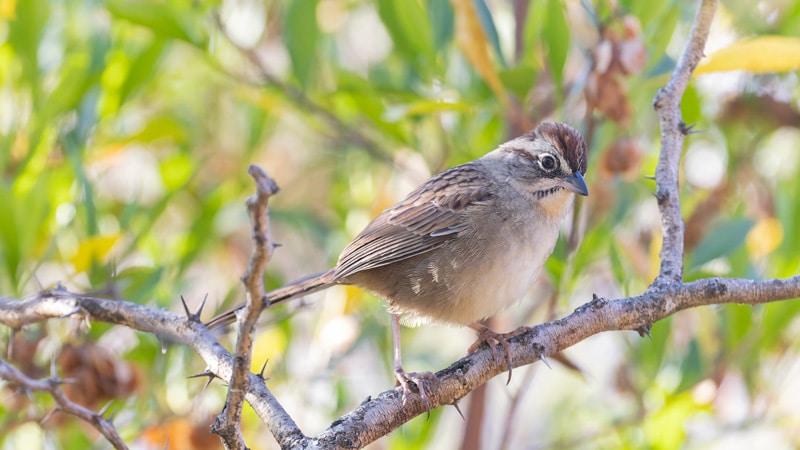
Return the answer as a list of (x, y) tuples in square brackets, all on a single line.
[(405, 378), (487, 335)]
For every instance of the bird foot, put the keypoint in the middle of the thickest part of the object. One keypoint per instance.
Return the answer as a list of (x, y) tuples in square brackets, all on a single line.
[(418, 379), (491, 337)]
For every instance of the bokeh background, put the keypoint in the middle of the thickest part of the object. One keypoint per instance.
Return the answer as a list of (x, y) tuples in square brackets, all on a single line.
[(126, 128)]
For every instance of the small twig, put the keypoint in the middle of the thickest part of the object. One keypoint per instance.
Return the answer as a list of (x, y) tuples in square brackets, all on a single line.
[(228, 423), (51, 386), (673, 131)]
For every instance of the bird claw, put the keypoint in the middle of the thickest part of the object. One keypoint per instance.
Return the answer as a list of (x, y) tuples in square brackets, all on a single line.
[(405, 379), (487, 335)]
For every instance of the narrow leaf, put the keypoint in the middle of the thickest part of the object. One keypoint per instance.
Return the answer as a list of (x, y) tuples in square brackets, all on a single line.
[(487, 23), (302, 37), (763, 54), (556, 39), (161, 18), (472, 41), (721, 241)]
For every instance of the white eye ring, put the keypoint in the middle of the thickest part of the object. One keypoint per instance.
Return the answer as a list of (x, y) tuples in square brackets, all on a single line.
[(548, 163)]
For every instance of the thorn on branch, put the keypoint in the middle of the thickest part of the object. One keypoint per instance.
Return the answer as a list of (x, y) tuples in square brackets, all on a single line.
[(22, 391), (597, 302), (206, 373), (366, 400), (644, 330), (658, 99), (661, 197), (103, 410), (455, 405), (200, 308), (687, 129), (73, 311), (194, 316), (186, 308), (49, 414), (263, 368)]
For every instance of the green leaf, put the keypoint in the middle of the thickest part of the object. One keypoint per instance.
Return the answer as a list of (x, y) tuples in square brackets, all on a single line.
[(440, 14), (789, 215), (487, 23), (519, 80), (556, 264), (427, 107), (721, 241), (673, 416), (617, 267), (25, 217), (139, 283), (649, 354), (176, 171), (160, 127), (777, 318), (693, 366), (663, 66), (166, 20), (76, 79), (556, 37), (25, 35), (302, 37), (667, 19), (410, 32), (142, 68), (737, 321), (690, 105)]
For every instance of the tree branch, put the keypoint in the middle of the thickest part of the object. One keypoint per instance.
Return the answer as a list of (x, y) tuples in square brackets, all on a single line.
[(59, 303), (51, 385), (668, 106), (379, 415), (228, 423)]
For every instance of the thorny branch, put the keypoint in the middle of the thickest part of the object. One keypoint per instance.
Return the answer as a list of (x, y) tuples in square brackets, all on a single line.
[(668, 105), (379, 415), (51, 386), (228, 423)]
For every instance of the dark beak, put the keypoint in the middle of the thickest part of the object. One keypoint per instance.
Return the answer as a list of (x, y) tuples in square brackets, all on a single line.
[(576, 184)]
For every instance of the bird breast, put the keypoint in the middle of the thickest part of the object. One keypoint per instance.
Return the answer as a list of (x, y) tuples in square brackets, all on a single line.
[(473, 277)]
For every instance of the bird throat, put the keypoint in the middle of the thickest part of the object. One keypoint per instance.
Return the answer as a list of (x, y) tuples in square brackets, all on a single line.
[(545, 192)]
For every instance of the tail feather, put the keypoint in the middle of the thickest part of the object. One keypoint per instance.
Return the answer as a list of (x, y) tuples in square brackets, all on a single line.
[(299, 288)]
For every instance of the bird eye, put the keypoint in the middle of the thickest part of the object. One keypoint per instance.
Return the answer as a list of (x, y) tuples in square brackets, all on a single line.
[(548, 163)]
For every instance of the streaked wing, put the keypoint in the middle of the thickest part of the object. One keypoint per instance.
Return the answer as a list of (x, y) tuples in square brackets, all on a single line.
[(425, 220)]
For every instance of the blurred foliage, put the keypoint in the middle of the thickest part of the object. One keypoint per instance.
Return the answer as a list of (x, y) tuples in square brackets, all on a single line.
[(126, 128)]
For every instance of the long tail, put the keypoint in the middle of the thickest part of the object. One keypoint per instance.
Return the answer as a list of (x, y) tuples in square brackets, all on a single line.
[(295, 289)]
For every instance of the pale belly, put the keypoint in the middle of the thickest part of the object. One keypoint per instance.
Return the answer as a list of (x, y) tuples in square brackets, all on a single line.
[(460, 286)]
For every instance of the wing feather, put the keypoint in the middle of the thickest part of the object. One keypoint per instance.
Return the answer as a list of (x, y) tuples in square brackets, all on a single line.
[(426, 219)]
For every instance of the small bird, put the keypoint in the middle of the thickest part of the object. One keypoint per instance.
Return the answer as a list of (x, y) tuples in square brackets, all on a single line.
[(465, 244)]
